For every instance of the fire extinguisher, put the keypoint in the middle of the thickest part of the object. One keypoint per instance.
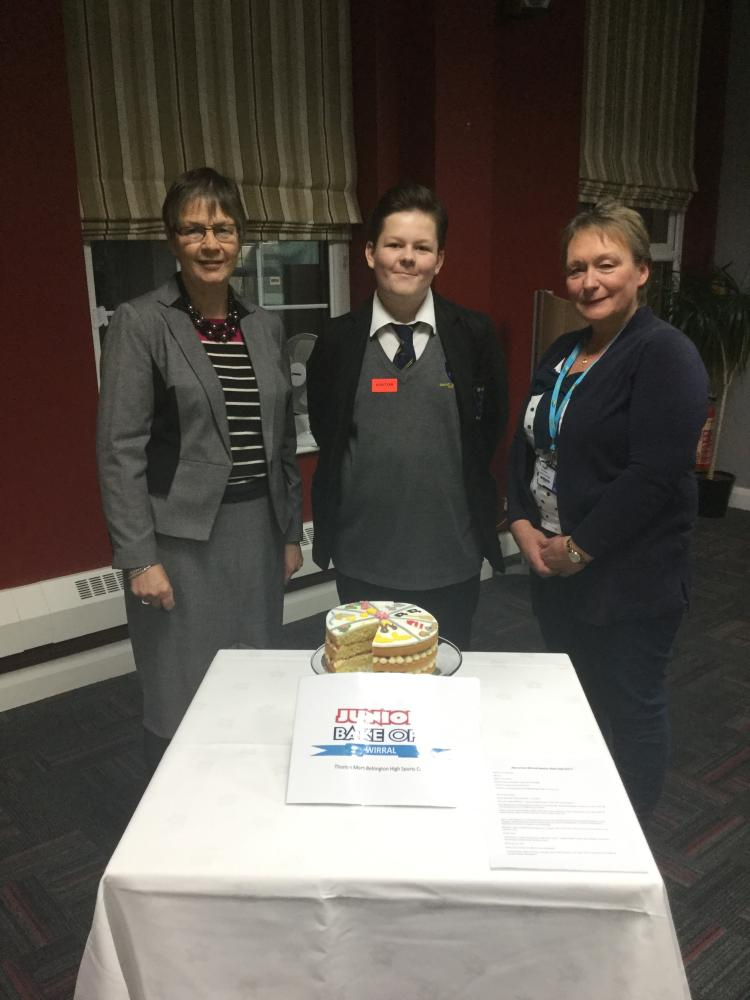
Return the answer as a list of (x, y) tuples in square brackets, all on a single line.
[(705, 449)]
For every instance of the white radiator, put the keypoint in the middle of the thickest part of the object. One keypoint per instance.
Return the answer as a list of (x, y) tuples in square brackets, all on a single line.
[(56, 610), (76, 605)]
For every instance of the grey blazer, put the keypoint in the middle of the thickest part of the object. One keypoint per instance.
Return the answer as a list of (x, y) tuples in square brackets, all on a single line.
[(162, 434)]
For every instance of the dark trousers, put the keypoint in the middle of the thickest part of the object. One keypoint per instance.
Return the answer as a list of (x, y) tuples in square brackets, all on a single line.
[(453, 606), (621, 667)]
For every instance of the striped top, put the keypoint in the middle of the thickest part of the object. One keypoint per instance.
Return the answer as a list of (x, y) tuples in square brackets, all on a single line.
[(235, 372)]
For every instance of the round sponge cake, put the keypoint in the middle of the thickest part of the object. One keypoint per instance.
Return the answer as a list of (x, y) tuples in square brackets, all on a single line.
[(381, 636)]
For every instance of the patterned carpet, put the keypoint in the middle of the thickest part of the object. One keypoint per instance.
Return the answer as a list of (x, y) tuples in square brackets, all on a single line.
[(71, 774)]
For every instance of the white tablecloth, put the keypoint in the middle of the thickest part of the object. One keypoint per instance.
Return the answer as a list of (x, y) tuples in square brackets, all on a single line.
[(219, 889)]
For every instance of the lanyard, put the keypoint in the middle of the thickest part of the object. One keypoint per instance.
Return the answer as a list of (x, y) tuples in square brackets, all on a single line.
[(555, 412)]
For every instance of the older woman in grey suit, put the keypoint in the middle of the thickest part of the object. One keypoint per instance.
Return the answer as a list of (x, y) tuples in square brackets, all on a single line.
[(196, 450)]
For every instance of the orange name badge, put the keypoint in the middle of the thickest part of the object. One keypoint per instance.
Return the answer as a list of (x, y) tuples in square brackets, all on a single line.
[(385, 385)]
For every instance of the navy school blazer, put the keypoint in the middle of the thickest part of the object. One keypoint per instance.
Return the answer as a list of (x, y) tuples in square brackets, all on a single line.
[(477, 367)]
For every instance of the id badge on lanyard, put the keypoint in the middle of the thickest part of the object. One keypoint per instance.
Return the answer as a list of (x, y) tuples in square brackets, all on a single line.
[(547, 472)]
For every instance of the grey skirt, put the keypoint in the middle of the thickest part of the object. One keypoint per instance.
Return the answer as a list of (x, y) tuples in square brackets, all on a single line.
[(229, 591)]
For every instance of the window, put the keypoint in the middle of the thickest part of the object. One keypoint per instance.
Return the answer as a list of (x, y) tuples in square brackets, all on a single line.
[(665, 229), (286, 277)]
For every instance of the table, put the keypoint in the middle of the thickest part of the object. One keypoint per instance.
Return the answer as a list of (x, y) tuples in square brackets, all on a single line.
[(218, 889)]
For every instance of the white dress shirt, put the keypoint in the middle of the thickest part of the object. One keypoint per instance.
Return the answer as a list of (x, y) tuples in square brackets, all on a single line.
[(423, 323)]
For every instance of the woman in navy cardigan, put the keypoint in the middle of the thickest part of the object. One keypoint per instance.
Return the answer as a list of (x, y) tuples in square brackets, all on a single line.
[(602, 495)]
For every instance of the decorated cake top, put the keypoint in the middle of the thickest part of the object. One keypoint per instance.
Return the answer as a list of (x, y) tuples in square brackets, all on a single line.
[(400, 623)]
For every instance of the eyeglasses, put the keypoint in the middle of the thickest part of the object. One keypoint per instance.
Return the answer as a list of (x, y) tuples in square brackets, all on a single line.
[(224, 232)]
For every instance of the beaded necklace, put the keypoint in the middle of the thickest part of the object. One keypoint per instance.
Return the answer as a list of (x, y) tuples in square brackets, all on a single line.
[(219, 332)]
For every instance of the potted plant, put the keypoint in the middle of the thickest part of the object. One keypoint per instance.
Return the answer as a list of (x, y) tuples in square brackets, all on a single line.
[(714, 312)]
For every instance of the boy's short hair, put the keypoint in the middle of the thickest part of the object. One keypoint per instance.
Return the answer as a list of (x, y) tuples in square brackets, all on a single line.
[(408, 198)]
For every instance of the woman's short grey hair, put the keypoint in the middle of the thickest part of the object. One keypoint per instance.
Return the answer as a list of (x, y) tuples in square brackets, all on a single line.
[(622, 224), (205, 183)]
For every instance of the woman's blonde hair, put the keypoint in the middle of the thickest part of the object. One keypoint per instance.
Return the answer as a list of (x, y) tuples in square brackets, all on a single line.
[(623, 225)]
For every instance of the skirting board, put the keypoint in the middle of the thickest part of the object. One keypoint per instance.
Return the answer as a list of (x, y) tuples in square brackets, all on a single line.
[(29, 684), (740, 498), (21, 687)]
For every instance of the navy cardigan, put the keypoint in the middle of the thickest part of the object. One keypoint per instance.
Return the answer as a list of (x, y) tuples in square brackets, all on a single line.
[(626, 488)]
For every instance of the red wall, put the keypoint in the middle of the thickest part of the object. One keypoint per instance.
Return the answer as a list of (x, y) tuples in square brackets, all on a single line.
[(393, 55), (482, 107), (307, 465), (50, 521), (537, 141), (487, 110)]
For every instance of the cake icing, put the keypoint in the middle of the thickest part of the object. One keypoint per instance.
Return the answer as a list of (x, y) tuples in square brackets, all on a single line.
[(381, 636)]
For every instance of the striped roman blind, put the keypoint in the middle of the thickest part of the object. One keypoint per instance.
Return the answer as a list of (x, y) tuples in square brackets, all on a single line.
[(640, 80), (258, 89)]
